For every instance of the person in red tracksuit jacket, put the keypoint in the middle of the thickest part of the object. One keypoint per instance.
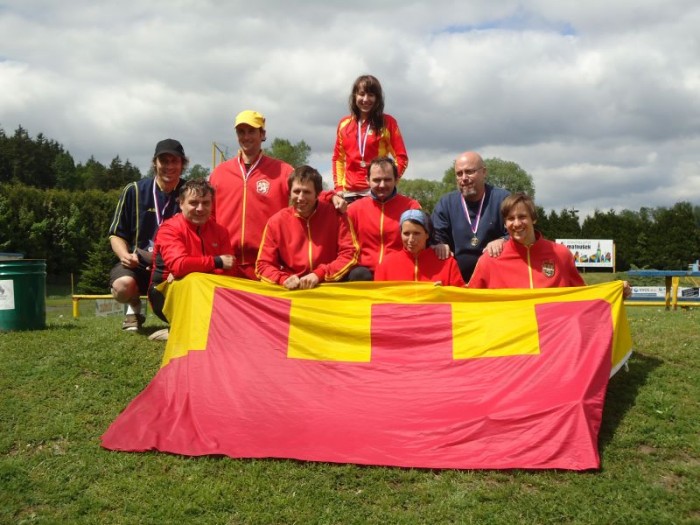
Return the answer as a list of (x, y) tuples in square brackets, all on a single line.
[(250, 189), (191, 241), (363, 135), (308, 242), (417, 262), (376, 218), (528, 260)]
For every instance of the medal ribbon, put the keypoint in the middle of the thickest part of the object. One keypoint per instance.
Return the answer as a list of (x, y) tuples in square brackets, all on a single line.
[(247, 173), (478, 214), (362, 143), (159, 212)]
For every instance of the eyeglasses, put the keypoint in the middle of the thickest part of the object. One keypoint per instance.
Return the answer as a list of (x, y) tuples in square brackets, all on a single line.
[(463, 173)]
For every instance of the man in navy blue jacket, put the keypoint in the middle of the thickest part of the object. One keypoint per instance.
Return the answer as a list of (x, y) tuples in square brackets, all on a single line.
[(142, 207), (468, 221)]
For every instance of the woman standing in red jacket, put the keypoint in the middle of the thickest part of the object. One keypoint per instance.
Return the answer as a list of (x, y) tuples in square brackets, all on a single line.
[(417, 262), (363, 135)]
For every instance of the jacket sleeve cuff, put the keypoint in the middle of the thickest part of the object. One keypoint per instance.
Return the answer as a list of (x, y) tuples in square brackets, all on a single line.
[(218, 262)]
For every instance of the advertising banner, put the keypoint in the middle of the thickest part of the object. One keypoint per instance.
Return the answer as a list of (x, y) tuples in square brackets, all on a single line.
[(658, 293), (591, 253)]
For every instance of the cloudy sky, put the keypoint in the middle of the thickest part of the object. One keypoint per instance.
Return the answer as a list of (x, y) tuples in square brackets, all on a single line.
[(598, 100)]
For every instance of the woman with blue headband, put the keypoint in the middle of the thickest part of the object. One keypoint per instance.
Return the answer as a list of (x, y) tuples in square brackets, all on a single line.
[(417, 262)]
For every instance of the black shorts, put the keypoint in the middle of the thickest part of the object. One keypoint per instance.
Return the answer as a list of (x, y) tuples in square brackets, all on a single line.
[(141, 275)]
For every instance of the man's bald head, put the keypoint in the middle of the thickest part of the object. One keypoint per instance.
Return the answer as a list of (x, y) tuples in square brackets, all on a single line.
[(471, 175)]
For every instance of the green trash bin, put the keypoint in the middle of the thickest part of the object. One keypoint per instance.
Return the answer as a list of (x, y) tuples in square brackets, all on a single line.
[(22, 294)]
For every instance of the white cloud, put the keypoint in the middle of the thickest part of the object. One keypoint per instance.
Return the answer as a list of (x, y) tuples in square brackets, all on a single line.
[(599, 101)]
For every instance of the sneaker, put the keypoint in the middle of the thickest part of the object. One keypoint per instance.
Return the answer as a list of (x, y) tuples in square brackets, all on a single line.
[(133, 322), (159, 335)]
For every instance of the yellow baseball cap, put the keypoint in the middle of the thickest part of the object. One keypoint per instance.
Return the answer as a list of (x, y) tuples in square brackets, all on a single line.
[(250, 117)]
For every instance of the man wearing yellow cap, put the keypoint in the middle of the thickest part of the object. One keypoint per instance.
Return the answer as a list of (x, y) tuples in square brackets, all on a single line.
[(250, 189)]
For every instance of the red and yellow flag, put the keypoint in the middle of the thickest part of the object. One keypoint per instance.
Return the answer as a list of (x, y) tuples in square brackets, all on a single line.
[(404, 374)]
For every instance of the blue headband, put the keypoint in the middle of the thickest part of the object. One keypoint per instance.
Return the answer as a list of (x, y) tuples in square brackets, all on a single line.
[(418, 216)]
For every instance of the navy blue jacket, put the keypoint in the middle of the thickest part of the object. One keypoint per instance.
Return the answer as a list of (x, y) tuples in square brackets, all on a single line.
[(135, 216), (451, 226)]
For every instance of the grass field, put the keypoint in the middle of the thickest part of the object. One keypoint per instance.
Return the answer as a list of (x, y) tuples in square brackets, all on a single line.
[(62, 387)]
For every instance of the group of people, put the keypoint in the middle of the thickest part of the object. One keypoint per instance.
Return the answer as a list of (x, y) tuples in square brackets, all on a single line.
[(259, 218)]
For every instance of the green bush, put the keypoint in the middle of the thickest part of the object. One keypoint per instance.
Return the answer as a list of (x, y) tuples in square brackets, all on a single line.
[(60, 226), (94, 275)]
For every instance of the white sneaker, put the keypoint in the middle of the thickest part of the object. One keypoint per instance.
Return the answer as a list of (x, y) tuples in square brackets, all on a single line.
[(159, 335), (133, 322)]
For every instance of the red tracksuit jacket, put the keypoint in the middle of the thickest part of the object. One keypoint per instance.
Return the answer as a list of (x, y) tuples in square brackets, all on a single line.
[(243, 206), (404, 266), (545, 264), (324, 244), (377, 226), (182, 247), (348, 173)]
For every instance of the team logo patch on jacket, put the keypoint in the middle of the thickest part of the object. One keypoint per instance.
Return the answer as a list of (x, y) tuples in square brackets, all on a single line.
[(263, 186), (548, 268)]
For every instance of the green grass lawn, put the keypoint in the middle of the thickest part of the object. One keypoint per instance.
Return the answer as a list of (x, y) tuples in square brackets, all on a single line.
[(62, 387)]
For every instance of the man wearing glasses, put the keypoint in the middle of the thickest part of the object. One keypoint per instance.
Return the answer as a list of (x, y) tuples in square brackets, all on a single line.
[(468, 222)]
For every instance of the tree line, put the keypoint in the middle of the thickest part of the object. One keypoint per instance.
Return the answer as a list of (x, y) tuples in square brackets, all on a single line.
[(661, 238), (54, 209), (44, 163)]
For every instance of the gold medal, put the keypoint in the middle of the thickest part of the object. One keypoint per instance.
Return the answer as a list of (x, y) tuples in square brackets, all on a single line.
[(362, 142), (473, 227)]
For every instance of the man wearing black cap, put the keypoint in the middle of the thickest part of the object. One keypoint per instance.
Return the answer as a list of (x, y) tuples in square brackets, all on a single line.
[(143, 206)]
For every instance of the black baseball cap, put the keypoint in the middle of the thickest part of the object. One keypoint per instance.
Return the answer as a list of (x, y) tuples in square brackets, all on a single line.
[(171, 146)]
